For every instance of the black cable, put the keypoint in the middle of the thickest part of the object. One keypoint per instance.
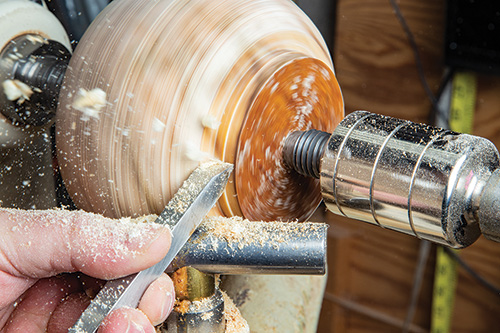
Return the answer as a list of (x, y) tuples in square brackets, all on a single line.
[(435, 113), (447, 77), (485, 283), (416, 53)]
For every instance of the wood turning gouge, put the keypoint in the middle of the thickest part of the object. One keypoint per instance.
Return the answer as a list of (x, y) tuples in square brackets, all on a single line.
[(183, 214)]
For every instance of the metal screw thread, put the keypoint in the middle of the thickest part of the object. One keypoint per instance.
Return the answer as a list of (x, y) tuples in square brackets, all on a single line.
[(303, 151), (45, 73), (41, 67)]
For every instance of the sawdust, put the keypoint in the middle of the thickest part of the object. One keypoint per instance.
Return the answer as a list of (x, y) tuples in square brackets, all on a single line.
[(118, 236), (207, 315), (201, 304), (235, 323), (87, 235), (182, 307), (209, 121), (238, 232)]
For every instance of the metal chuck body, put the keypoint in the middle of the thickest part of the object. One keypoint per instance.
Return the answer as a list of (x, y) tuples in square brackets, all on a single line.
[(31, 72), (413, 178)]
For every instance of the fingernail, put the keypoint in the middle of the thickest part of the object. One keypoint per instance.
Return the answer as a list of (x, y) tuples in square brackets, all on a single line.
[(139, 324), (126, 320), (168, 303)]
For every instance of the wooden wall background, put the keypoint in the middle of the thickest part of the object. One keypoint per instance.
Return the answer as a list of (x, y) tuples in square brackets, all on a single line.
[(370, 269)]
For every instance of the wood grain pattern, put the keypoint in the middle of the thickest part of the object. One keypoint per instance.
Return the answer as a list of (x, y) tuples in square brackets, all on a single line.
[(374, 268), (476, 308), (486, 117), (371, 268), (373, 59)]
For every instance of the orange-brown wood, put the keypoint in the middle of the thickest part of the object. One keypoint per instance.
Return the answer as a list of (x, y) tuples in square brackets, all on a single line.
[(302, 94)]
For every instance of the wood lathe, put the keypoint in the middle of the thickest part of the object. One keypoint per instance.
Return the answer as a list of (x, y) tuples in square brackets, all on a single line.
[(155, 87)]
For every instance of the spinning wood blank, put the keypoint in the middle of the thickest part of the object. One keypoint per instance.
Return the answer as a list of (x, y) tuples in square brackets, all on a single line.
[(189, 80)]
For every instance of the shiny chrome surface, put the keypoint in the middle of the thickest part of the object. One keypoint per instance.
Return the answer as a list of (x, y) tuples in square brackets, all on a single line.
[(489, 208), (408, 177), (183, 214), (256, 248)]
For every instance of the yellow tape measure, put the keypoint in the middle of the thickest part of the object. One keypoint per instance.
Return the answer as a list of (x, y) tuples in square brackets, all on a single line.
[(462, 106), (463, 102), (443, 296)]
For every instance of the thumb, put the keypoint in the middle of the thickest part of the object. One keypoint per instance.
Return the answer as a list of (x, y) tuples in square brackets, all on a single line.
[(44, 243)]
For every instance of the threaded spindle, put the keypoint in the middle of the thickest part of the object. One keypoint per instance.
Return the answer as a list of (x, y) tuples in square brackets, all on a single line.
[(43, 71), (303, 151)]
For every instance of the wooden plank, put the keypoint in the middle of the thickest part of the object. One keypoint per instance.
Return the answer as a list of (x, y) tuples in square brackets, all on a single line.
[(373, 59), (476, 308), (370, 267), (486, 117), (373, 268)]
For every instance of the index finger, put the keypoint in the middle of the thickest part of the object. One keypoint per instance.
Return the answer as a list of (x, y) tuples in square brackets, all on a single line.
[(44, 243)]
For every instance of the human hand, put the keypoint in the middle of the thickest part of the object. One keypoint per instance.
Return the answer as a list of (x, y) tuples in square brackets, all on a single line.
[(37, 246)]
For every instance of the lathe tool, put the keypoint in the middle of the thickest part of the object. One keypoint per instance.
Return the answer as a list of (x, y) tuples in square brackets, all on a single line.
[(183, 214)]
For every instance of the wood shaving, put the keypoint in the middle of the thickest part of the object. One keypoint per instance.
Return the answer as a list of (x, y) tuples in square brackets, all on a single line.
[(210, 121), (158, 125), (36, 39), (16, 90), (193, 153), (90, 102)]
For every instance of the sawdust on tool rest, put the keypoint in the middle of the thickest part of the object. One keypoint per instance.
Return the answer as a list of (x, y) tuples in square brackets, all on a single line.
[(239, 232)]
